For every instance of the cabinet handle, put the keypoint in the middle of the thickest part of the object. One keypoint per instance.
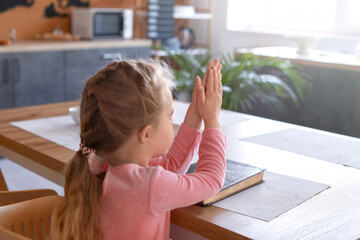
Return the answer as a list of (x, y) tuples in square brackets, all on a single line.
[(16, 63), (5, 68), (113, 56)]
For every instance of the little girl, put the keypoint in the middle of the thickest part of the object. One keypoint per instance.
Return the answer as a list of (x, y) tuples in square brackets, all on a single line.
[(125, 178)]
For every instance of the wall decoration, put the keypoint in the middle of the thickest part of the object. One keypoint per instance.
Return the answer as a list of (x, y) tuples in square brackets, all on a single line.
[(32, 17), (62, 8), (6, 5)]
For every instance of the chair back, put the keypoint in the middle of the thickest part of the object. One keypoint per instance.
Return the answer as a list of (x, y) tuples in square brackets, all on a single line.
[(29, 218), (3, 186), (9, 197)]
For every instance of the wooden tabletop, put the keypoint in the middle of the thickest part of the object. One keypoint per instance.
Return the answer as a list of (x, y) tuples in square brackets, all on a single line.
[(33, 152), (332, 214)]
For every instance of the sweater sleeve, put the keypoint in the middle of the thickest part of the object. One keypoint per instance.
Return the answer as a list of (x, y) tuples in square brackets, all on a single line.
[(181, 152), (169, 190)]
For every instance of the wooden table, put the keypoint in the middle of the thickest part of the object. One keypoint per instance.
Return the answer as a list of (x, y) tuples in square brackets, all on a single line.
[(332, 214)]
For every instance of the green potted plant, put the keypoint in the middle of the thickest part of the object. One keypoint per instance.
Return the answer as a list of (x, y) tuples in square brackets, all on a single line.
[(186, 66), (248, 80)]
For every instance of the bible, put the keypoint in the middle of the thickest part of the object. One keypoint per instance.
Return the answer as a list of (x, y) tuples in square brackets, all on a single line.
[(238, 177)]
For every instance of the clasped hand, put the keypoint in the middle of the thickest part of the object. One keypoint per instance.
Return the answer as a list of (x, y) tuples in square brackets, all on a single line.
[(206, 98)]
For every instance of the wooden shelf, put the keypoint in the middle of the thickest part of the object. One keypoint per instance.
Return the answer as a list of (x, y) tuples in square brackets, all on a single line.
[(205, 16), (181, 19), (192, 51), (197, 16)]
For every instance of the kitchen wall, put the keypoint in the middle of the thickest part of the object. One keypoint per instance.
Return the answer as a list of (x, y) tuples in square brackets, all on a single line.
[(31, 17)]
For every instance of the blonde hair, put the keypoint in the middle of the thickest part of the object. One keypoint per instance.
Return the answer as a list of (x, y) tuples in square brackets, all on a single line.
[(122, 97)]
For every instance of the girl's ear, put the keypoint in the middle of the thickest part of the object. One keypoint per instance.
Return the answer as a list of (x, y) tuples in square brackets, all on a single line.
[(144, 134)]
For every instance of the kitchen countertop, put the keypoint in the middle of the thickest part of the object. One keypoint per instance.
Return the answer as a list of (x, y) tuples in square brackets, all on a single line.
[(337, 60), (46, 45)]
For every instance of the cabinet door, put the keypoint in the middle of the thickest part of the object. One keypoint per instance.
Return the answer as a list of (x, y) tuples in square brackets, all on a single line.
[(79, 66), (349, 115), (82, 64), (126, 53), (38, 78), (6, 87)]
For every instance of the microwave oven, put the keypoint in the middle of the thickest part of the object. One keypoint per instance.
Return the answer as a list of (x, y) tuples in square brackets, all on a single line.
[(92, 23)]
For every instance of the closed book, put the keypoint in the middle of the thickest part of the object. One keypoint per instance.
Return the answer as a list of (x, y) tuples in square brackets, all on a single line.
[(238, 177)]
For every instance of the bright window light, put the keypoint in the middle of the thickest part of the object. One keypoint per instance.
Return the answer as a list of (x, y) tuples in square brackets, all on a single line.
[(353, 11), (282, 16)]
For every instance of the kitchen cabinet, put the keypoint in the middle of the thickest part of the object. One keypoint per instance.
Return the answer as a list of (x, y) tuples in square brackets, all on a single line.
[(38, 78), (41, 77), (31, 78), (82, 64), (6, 86)]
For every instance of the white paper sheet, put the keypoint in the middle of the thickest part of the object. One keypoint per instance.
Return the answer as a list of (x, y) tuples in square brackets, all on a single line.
[(61, 130)]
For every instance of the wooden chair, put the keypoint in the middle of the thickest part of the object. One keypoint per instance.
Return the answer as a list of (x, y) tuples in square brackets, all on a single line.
[(3, 186), (28, 219), (9, 197)]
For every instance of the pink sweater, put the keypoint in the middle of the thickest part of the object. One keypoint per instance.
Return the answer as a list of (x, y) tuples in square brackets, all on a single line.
[(136, 201)]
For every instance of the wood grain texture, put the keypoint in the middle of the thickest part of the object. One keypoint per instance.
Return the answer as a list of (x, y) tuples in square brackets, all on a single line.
[(31, 146), (3, 186), (332, 214)]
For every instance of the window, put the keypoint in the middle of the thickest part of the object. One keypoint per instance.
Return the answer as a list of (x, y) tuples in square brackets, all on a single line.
[(353, 16), (295, 16)]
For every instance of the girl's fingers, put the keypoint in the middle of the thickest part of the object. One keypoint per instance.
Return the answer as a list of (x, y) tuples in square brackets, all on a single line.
[(200, 95), (219, 75), (210, 65), (221, 87), (197, 80), (210, 81), (216, 64), (215, 68), (215, 80), (207, 74), (197, 83), (219, 68)]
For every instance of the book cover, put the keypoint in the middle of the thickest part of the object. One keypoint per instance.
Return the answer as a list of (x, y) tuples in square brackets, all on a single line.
[(239, 176)]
